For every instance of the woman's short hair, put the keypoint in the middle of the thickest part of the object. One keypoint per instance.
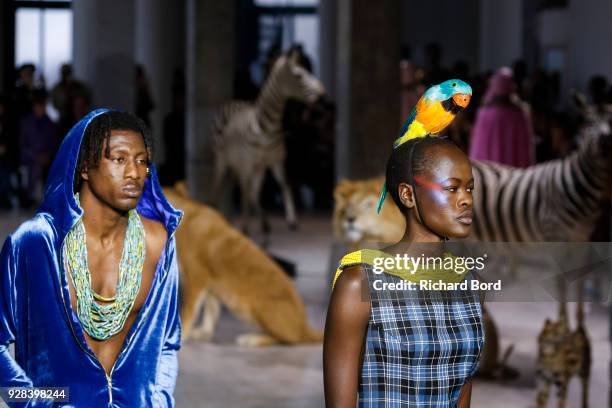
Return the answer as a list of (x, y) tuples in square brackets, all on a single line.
[(410, 159)]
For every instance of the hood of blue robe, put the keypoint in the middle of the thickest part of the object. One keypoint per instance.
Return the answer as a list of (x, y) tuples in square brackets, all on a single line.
[(59, 201), (36, 314)]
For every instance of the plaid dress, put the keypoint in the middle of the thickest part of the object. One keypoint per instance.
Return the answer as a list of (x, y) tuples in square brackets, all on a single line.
[(421, 346)]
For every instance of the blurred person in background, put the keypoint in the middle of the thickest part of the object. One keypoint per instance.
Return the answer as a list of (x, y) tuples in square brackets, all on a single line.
[(23, 92), (558, 141), (411, 89), (174, 134), (502, 131), (7, 163), (144, 100), (434, 71), (599, 91), (64, 96), (38, 142)]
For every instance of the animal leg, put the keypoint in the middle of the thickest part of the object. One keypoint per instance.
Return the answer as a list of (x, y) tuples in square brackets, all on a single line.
[(585, 391), (255, 340), (286, 321), (542, 394), (212, 310), (562, 392), (278, 171), (254, 195), (192, 301), (220, 168), (245, 181)]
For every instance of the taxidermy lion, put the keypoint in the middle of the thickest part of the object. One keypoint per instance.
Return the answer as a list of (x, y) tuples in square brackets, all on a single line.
[(355, 219), (219, 265)]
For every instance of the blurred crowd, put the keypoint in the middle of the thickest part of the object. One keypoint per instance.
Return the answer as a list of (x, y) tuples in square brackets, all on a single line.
[(34, 120), (517, 116), (28, 135)]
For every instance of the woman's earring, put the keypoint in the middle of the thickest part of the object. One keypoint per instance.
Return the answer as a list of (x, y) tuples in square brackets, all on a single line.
[(148, 171)]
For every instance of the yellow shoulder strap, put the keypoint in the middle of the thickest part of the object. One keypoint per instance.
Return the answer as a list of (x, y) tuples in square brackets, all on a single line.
[(367, 256), (354, 258)]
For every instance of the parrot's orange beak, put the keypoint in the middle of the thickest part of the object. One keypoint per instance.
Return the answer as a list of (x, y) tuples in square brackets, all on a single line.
[(462, 100)]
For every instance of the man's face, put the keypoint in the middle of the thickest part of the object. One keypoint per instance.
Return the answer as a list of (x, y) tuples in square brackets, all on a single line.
[(119, 179)]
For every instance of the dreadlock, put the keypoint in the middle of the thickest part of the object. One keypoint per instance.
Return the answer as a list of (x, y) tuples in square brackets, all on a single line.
[(410, 159), (98, 133)]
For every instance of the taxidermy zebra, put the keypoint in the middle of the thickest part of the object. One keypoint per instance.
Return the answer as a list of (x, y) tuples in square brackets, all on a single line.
[(559, 200), (249, 137)]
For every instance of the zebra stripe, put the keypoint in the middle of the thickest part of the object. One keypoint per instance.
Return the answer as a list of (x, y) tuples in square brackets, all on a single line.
[(553, 201)]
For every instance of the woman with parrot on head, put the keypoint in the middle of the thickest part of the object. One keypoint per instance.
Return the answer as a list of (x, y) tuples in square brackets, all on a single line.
[(385, 350)]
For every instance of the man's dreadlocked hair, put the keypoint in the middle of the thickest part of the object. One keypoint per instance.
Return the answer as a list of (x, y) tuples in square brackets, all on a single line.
[(410, 159), (98, 132)]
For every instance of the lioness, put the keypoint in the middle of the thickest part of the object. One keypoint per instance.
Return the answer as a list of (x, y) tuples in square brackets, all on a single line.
[(219, 264)]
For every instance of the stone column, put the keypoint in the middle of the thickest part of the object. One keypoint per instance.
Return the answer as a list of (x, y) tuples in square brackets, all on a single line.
[(367, 86), (328, 30), (7, 51), (103, 38), (210, 69), (501, 33), (160, 48)]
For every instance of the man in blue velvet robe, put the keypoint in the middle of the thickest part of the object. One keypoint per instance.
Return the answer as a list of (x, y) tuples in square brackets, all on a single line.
[(106, 158)]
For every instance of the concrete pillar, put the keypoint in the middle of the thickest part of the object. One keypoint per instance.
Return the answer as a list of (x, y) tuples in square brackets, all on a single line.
[(210, 69), (7, 43), (103, 41), (160, 48), (328, 47), (530, 46), (501, 33), (367, 92)]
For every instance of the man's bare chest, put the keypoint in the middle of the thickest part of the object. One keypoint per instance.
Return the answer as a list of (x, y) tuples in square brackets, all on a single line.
[(105, 274)]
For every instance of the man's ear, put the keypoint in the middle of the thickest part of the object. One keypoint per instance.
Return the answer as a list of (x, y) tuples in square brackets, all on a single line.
[(406, 195), (84, 172)]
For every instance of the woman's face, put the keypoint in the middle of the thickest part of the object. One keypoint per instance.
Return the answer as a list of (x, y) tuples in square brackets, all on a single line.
[(444, 192)]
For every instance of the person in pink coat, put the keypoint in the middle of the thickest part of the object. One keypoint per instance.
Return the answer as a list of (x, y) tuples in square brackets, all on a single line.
[(502, 132)]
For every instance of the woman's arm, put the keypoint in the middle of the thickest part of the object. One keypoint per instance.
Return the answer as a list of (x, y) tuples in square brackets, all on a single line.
[(345, 330), (465, 396)]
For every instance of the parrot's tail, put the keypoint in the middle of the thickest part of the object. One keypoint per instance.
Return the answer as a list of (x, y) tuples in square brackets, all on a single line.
[(381, 201)]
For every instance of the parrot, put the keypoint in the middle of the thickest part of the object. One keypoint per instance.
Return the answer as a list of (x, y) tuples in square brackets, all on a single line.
[(434, 111)]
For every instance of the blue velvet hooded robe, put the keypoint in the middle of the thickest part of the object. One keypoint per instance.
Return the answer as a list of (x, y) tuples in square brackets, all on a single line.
[(36, 314)]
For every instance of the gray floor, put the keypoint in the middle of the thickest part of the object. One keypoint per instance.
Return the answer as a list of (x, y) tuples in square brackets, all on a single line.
[(221, 374)]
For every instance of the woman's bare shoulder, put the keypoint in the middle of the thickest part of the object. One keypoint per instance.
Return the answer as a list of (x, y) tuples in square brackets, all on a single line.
[(352, 285)]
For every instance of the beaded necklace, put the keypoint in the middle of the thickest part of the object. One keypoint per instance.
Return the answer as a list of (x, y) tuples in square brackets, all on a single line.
[(102, 321)]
